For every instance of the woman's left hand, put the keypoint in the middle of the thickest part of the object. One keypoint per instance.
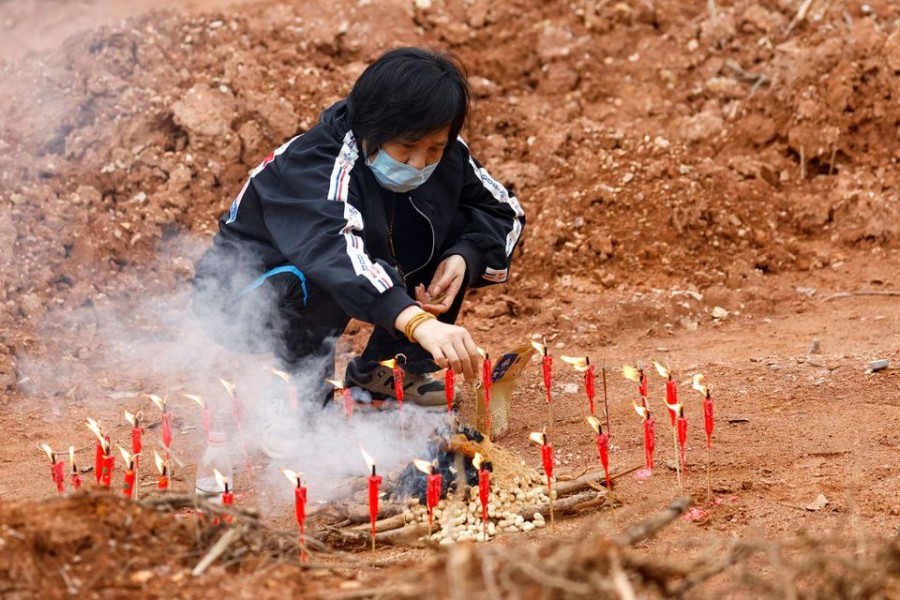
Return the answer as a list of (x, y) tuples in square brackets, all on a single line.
[(444, 286)]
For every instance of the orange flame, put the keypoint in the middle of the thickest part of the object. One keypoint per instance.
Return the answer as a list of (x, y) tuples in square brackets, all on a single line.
[(540, 347), (50, 453), (424, 466), (229, 387), (338, 385), (97, 430), (129, 459), (159, 402), (133, 419), (698, 378), (370, 462), (594, 423), (477, 461), (581, 363), (221, 480), (482, 352), (198, 399), (285, 376), (677, 408), (390, 363), (72, 456), (631, 373), (160, 463), (538, 437), (642, 411), (293, 476), (661, 369)]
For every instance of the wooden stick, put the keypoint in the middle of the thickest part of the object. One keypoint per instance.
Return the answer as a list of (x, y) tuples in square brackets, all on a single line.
[(645, 529), (216, 551), (567, 505)]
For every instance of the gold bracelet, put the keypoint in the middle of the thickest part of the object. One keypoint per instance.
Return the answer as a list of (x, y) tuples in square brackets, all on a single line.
[(413, 325)]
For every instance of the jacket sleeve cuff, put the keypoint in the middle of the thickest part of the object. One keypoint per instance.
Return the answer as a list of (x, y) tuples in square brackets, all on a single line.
[(388, 305), (474, 260)]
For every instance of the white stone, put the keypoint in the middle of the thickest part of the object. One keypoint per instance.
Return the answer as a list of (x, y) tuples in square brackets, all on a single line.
[(528, 526)]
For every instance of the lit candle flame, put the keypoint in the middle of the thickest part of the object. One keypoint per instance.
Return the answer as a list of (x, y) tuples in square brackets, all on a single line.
[(159, 402), (97, 430), (198, 399), (293, 476), (127, 457), (482, 352), (477, 460), (677, 408), (284, 375), (72, 456), (661, 369), (50, 453), (132, 418), (424, 466), (160, 463), (229, 387), (390, 363), (595, 424), (631, 373), (642, 411), (538, 437), (370, 462), (338, 385), (221, 480), (581, 363), (539, 347), (698, 378)]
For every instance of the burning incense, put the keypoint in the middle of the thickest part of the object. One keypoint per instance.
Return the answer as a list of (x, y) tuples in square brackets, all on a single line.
[(299, 507), (231, 389), (434, 485), (205, 412), (374, 483), (547, 370), (162, 466), (76, 478), (449, 390), (673, 407), (346, 397), (540, 437), (583, 364), (395, 365), (292, 389), (130, 474), (56, 469), (708, 424), (486, 381), (649, 434), (602, 446), (484, 469)]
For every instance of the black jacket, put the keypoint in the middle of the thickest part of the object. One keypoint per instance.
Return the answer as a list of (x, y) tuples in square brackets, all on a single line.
[(314, 204)]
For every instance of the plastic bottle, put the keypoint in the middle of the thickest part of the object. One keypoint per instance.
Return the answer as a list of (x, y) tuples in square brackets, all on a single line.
[(214, 457)]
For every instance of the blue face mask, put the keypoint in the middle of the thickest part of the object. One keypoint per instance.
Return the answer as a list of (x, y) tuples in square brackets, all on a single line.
[(397, 176)]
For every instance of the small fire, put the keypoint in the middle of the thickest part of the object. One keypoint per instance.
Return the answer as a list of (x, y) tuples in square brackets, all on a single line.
[(338, 385), (477, 460), (595, 424), (221, 480), (198, 399), (581, 363), (698, 385), (424, 466), (631, 373), (661, 369), (293, 476), (72, 456), (542, 348), (482, 352), (133, 419), (129, 459), (97, 429), (390, 363), (229, 387), (538, 437), (50, 453), (160, 463), (677, 408), (282, 374), (370, 462), (159, 402), (642, 411)]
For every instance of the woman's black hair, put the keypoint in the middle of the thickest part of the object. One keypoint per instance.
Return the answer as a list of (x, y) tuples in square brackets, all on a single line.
[(406, 94)]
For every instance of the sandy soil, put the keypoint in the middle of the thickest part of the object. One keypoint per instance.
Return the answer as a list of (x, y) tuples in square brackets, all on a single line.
[(702, 189)]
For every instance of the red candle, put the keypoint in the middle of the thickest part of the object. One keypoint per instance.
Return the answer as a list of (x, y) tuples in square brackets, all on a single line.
[(394, 365), (602, 446), (163, 482), (643, 385), (98, 461), (167, 429), (649, 440), (128, 488), (671, 397), (448, 388), (347, 399), (589, 385), (76, 478), (109, 465), (547, 460), (547, 368), (487, 380), (682, 437), (708, 418), (433, 495), (374, 483), (300, 509), (484, 488), (57, 472)]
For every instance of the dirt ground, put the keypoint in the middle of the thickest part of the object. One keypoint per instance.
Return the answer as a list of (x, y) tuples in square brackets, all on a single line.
[(711, 185)]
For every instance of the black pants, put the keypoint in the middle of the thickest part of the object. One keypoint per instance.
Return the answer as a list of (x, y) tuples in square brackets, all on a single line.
[(283, 312)]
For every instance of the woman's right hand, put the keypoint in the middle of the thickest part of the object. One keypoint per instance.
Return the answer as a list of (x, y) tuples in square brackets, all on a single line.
[(451, 346)]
